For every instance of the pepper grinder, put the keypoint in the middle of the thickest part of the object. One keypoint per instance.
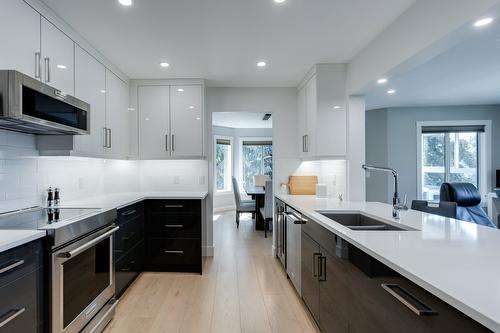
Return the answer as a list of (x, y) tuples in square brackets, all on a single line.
[(57, 199), (50, 197)]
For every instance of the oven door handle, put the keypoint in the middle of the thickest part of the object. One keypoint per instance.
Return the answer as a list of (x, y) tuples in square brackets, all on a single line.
[(87, 245)]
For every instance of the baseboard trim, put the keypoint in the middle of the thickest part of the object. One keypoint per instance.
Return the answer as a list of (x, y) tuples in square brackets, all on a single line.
[(207, 251)]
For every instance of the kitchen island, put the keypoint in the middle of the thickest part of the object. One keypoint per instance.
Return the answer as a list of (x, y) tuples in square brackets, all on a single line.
[(455, 261)]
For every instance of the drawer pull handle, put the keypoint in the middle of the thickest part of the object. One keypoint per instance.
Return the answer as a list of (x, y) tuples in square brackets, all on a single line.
[(174, 225), (15, 264), (130, 212), (11, 315), (129, 237), (410, 301), (174, 206), (174, 252)]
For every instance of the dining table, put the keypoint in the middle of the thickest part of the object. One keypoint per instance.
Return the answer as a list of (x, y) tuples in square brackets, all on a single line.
[(258, 194)]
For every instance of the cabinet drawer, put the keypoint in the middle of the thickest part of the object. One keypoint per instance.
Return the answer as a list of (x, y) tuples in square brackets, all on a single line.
[(20, 261), (180, 205), (129, 235), (175, 225), (19, 304), (174, 252), (128, 268), (129, 213)]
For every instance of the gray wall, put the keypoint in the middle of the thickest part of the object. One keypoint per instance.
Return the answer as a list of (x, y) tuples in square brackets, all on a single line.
[(391, 138)]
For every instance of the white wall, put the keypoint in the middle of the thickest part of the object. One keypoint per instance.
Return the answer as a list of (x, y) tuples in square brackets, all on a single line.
[(24, 176)]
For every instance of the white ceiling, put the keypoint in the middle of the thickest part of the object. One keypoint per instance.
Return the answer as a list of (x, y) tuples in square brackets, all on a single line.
[(467, 73), (241, 120), (221, 40)]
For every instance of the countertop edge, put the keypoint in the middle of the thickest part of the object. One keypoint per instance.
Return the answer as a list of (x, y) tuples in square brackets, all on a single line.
[(21, 240)]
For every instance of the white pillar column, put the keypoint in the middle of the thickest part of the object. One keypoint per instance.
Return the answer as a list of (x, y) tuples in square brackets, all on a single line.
[(356, 187)]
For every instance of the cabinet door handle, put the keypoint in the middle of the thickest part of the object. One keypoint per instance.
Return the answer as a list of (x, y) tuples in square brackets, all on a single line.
[(110, 138), (315, 264), (303, 143), (307, 143), (38, 67), (10, 315), (9, 267), (322, 269), (173, 252), (173, 142), (166, 142), (174, 225), (130, 212), (129, 237), (410, 301), (173, 206), (105, 144), (47, 68)]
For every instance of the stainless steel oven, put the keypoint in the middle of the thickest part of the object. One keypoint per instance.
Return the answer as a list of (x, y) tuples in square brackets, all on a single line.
[(82, 280)]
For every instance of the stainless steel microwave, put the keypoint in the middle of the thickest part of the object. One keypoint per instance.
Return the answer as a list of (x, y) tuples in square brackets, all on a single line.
[(30, 106)]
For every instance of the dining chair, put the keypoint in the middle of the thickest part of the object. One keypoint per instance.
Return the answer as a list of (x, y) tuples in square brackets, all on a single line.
[(260, 180), (443, 208), (242, 206), (267, 210)]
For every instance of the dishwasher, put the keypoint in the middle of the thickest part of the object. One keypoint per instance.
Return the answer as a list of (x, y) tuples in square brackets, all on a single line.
[(294, 221)]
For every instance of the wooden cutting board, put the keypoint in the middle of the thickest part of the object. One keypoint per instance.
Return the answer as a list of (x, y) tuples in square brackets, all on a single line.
[(302, 185)]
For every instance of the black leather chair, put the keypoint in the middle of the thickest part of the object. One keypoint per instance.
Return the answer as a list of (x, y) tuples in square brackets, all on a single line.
[(445, 208), (468, 199)]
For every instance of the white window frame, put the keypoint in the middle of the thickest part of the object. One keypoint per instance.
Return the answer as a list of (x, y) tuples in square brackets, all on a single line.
[(231, 164), (484, 153), (240, 152)]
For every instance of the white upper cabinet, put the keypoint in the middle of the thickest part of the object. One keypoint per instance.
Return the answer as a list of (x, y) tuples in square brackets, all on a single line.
[(154, 123), (57, 58), (20, 40), (322, 112), (171, 119), (90, 86), (117, 117), (186, 115)]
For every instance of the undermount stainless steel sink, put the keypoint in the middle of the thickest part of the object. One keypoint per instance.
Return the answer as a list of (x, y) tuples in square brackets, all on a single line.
[(356, 221)]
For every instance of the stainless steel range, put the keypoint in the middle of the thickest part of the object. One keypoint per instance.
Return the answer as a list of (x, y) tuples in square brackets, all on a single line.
[(80, 251)]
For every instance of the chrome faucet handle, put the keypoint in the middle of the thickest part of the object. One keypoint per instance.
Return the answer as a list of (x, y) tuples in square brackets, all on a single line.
[(399, 206)]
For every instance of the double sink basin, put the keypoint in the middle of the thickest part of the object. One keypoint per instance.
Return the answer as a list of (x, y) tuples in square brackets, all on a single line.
[(357, 221)]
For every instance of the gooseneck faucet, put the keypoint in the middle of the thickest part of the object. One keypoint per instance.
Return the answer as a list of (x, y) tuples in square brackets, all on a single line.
[(397, 206)]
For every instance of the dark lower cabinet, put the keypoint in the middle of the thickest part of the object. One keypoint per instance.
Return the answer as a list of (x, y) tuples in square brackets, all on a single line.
[(174, 234), (22, 289), (128, 246), (347, 290)]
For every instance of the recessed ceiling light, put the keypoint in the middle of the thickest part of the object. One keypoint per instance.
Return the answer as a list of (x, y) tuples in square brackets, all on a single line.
[(125, 2), (382, 80), (279, 1), (261, 64), (191, 107), (61, 66), (336, 107), (103, 91), (164, 64), (198, 118), (131, 109), (180, 90), (484, 21), (391, 91), (146, 119)]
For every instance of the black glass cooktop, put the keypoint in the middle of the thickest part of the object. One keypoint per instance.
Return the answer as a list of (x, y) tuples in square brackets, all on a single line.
[(41, 218)]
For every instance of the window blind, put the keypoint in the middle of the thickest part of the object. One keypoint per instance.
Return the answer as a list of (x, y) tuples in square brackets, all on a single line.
[(257, 143), (453, 129), (224, 142)]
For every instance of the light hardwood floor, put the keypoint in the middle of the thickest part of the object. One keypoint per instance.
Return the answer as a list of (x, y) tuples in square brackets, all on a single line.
[(243, 289)]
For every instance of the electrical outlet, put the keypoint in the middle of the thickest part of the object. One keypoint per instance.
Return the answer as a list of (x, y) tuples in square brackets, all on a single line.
[(81, 183), (176, 179), (201, 180)]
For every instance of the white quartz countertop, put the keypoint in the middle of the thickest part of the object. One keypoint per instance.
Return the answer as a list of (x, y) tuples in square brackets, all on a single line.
[(12, 238), (120, 200), (457, 261)]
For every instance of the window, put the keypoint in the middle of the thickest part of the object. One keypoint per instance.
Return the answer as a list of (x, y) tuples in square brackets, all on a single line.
[(257, 159), (449, 154), (223, 164)]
